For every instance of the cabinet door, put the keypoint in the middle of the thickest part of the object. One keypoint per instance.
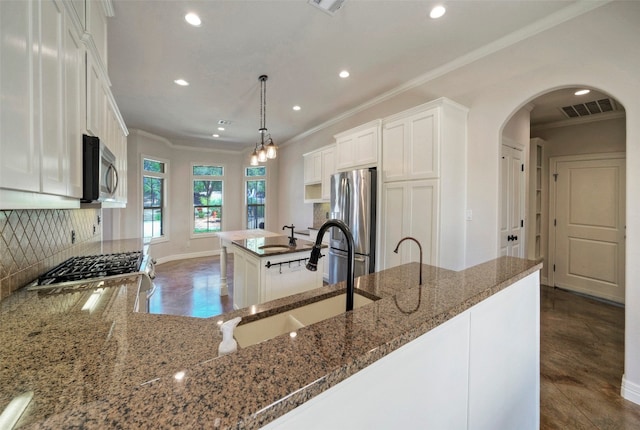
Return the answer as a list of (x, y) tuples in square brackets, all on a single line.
[(96, 99), (357, 149), (345, 152), (394, 219), (366, 147), (313, 168), (410, 147), (409, 209), (51, 59), (20, 161), (423, 223), (75, 95), (328, 169)]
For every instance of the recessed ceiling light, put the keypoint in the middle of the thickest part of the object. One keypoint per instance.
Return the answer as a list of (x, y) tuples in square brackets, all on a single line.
[(582, 92), (344, 74), (221, 128), (437, 12), (296, 107), (181, 82), (216, 135), (193, 19)]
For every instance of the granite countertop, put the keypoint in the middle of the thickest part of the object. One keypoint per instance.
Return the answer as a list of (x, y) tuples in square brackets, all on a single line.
[(280, 243), (113, 368)]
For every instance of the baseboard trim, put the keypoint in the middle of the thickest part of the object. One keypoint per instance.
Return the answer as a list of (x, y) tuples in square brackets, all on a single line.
[(175, 257), (630, 391)]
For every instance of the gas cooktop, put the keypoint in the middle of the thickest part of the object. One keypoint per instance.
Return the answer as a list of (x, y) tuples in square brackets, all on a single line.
[(93, 267)]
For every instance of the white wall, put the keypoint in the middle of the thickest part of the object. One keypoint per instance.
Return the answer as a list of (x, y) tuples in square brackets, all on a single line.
[(179, 244), (494, 88)]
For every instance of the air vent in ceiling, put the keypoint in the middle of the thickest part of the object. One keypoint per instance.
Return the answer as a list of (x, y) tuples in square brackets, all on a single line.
[(327, 6), (589, 108)]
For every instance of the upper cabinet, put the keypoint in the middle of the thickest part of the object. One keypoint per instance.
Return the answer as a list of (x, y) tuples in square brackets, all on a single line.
[(51, 68), (319, 165), (417, 142), (358, 147), (42, 88)]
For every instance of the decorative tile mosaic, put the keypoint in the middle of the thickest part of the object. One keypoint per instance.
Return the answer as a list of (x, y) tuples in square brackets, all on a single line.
[(34, 241), (320, 214)]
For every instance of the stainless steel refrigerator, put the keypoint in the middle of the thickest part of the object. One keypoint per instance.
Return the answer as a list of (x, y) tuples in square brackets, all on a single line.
[(353, 201)]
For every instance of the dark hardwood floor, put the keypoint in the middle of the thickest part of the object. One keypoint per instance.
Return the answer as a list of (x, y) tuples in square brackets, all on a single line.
[(581, 344)]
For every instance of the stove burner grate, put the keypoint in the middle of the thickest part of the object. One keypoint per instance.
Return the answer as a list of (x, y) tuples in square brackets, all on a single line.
[(93, 266)]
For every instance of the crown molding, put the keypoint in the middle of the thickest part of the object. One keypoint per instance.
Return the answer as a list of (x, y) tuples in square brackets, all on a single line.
[(574, 10), (172, 145)]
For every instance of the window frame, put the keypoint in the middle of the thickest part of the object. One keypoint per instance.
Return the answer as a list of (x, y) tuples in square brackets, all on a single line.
[(245, 204), (165, 195), (193, 178)]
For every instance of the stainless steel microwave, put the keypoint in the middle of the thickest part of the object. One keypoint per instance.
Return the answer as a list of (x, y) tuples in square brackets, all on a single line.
[(99, 172)]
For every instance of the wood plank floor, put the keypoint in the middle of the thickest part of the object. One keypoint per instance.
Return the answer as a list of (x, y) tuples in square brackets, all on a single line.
[(581, 344)]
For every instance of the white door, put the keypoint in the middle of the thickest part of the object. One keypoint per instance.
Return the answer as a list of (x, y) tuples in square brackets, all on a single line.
[(512, 194), (589, 231)]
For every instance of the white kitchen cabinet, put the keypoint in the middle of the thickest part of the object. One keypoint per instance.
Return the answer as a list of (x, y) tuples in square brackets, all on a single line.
[(328, 169), (254, 282), (75, 109), (312, 167), (424, 185), (410, 209), (19, 101), (96, 25), (319, 165), (423, 142), (43, 85), (96, 98), (358, 147)]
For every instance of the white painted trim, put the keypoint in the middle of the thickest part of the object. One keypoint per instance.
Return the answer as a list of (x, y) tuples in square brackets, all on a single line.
[(185, 147), (176, 257), (553, 20), (630, 390)]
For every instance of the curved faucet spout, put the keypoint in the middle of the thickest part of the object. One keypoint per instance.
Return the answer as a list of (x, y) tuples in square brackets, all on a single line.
[(292, 239), (419, 246), (315, 255)]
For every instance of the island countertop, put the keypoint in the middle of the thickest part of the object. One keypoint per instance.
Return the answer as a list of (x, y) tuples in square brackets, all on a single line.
[(273, 245), (113, 368)]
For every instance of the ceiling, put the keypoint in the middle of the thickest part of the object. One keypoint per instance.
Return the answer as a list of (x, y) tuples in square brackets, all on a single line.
[(383, 44)]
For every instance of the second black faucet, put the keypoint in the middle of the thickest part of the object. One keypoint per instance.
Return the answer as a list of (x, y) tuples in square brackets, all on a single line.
[(292, 239)]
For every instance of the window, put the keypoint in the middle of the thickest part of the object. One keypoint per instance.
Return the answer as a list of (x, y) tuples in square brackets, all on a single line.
[(207, 199), (255, 196), (154, 175)]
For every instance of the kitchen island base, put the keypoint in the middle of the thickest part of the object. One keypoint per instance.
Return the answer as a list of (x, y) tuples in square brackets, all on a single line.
[(479, 370)]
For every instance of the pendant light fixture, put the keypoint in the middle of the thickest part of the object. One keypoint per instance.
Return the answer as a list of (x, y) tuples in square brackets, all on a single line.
[(269, 151)]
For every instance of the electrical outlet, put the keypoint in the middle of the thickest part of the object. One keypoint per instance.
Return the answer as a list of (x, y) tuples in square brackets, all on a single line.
[(73, 237), (94, 229), (99, 220)]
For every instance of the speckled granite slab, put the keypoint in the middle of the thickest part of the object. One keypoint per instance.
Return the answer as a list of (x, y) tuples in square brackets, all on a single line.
[(276, 245), (113, 368)]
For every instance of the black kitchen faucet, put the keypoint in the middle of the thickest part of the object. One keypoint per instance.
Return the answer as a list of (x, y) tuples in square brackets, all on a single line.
[(292, 240)]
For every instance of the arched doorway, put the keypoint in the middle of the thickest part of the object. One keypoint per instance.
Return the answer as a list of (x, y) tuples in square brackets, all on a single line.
[(576, 171), (576, 184)]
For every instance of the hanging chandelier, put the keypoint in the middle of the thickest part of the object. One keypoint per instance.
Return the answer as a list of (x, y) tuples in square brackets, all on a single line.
[(268, 150)]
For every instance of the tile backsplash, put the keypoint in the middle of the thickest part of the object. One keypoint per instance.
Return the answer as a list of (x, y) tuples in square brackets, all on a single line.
[(34, 241), (320, 214)]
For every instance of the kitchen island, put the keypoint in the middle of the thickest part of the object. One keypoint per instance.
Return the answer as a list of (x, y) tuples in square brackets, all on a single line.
[(269, 268), (115, 368)]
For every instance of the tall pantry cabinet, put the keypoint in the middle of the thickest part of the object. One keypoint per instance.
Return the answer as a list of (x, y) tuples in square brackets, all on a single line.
[(423, 175)]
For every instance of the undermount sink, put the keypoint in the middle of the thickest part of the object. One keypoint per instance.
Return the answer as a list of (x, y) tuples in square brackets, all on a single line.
[(275, 247), (292, 319)]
